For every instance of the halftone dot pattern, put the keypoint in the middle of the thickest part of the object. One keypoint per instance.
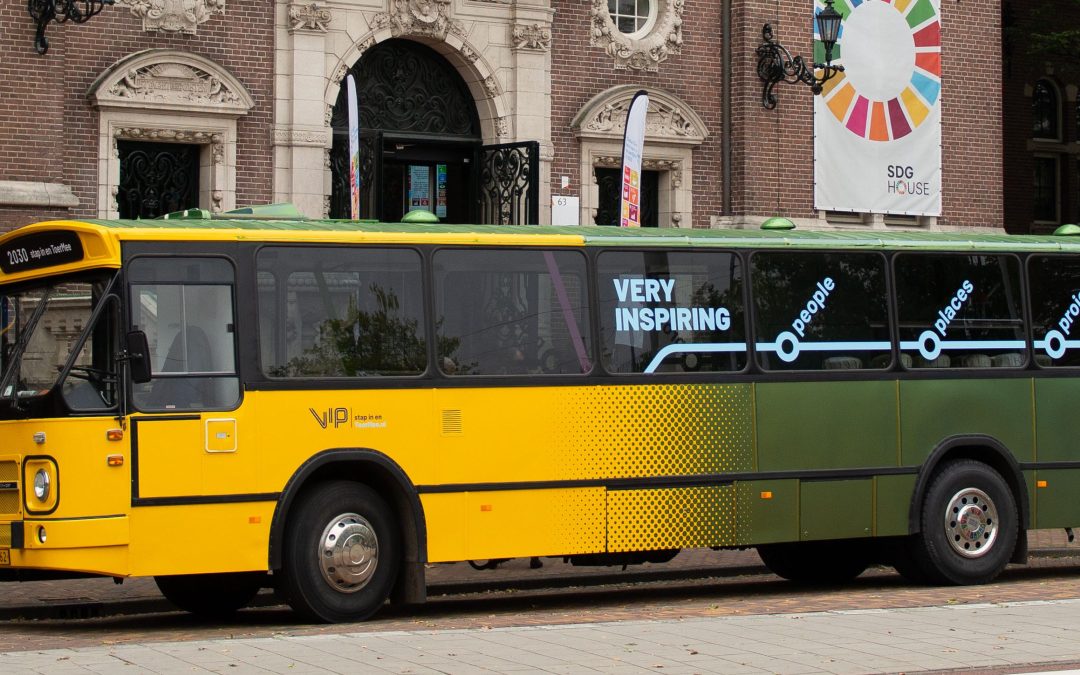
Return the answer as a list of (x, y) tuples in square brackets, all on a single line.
[(640, 520), (744, 512), (655, 430), (578, 519)]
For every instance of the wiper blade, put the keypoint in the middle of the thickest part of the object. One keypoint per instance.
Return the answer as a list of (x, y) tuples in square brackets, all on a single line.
[(20, 346)]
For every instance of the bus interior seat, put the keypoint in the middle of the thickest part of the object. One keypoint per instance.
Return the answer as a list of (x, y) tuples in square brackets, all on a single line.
[(1007, 360), (942, 361), (1044, 360), (975, 361), (842, 363)]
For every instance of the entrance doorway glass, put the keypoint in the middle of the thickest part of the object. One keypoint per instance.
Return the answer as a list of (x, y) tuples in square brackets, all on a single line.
[(420, 134)]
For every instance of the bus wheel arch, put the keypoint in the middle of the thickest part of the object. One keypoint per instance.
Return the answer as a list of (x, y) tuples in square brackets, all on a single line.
[(386, 478), (989, 451)]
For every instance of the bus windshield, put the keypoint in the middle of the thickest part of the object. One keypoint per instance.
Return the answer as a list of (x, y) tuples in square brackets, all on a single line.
[(41, 327)]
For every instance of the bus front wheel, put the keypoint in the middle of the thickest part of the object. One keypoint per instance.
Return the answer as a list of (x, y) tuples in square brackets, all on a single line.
[(969, 525), (342, 553)]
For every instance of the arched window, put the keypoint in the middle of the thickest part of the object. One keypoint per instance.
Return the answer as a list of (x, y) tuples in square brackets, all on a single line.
[(632, 17), (1045, 111)]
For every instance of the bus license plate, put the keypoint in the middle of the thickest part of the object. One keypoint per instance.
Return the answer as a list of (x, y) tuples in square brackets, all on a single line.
[(5, 556)]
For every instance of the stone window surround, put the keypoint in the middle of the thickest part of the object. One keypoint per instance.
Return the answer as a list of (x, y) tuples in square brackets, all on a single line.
[(190, 116), (646, 49), (673, 132)]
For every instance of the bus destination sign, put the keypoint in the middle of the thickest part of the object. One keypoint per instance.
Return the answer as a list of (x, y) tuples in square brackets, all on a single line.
[(42, 249)]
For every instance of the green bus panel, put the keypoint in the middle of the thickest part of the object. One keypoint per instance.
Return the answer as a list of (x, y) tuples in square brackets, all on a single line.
[(932, 411), (768, 511), (836, 509), (826, 425), (1057, 505), (892, 502), (1057, 430)]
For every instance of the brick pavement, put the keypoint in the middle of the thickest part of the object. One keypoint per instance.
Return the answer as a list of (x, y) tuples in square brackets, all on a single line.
[(1026, 635), (79, 598)]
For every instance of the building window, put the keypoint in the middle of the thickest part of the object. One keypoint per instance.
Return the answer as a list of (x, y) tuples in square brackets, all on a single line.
[(1045, 194), (632, 17), (1045, 111), (156, 178)]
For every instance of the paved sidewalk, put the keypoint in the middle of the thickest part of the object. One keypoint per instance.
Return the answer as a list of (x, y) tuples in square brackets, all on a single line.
[(1034, 635)]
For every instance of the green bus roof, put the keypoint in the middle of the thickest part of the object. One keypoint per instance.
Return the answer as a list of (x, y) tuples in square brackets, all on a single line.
[(593, 235)]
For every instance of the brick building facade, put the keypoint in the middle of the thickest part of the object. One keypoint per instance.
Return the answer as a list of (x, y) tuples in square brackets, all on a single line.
[(256, 95), (1041, 122)]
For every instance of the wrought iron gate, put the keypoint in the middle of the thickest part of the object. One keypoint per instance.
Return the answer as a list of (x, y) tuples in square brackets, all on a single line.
[(371, 155), (157, 178), (509, 187)]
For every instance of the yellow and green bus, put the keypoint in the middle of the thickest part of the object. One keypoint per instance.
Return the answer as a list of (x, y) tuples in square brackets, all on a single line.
[(232, 402)]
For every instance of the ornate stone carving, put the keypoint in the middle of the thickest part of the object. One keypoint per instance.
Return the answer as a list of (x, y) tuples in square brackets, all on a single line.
[(173, 83), (309, 17), (468, 53), (661, 120), (316, 138), (340, 72), (668, 120), (535, 37), (169, 135), (173, 16), (419, 17), (643, 53), (502, 127), (491, 86)]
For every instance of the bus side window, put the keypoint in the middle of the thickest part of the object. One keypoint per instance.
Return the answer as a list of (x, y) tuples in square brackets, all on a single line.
[(185, 307), (1054, 288), (511, 312), (960, 310), (346, 311), (672, 311), (820, 311)]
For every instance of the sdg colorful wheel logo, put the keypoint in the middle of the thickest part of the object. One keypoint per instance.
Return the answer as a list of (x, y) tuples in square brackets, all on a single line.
[(891, 52)]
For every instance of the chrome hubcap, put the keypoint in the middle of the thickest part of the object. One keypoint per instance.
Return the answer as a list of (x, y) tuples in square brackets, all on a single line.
[(348, 552), (971, 523)]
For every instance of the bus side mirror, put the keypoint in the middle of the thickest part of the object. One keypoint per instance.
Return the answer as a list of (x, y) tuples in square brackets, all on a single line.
[(138, 356)]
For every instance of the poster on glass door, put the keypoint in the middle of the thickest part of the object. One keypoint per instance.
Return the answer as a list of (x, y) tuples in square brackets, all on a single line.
[(440, 190), (419, 187)]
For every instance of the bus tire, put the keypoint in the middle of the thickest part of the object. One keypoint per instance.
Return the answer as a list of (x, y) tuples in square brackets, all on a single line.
[(214, 596), (969, 525), (816, 562), (342, 553)]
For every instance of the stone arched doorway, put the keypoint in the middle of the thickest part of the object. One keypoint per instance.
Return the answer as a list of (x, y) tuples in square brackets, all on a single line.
[(420, 144)]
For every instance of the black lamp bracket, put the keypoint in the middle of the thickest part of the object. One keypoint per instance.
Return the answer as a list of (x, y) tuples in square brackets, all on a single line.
[(776, 65), (60, 11)]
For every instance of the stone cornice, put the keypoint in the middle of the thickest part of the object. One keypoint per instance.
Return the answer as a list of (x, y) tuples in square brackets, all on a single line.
[(32, 193)]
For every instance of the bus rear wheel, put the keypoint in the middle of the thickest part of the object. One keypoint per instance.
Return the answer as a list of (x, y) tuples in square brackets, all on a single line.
[(342, 553), (969, 525), (816, 562), (214, 596)]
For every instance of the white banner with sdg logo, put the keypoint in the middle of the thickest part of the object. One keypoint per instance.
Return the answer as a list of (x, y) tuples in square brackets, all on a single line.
[(877, 125)]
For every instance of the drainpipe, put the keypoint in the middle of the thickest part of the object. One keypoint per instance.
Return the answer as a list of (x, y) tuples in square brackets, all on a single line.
[(725, 124)]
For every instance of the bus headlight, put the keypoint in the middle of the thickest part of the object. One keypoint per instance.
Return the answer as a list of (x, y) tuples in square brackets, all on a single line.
[(41, 476), (42, 485)]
